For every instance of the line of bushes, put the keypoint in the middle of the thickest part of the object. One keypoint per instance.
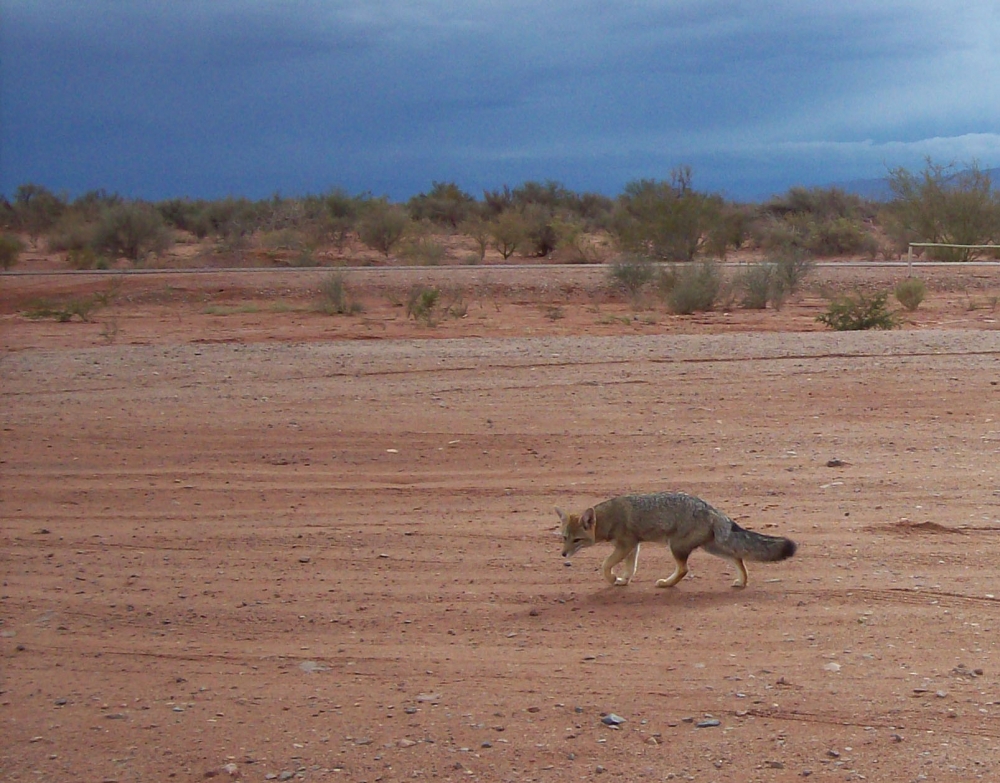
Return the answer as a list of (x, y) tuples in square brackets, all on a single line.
[(666, 220)]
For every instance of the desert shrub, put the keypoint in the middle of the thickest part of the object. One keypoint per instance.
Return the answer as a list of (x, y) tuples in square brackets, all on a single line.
[(729, 230), (197, 217), (282, 239), (859, 311), (942, 205), (131, 230), (10, 248), (334, 298), (791, 266), (423, 251), (63, 312), (665, 279), (86, 258), (421, 303), (806, 233), (36, 209), (695, 288), (911, 292), (758, 285), (541, 233), (822, 203), (509, 231), (446, 204), (840, 236), (667, 220), (479, 230), (630, 274), (73, 231), (382, 226), (574, 239)]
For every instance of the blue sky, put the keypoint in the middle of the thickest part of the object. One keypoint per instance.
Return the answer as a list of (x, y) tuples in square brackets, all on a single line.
[(207, 98)]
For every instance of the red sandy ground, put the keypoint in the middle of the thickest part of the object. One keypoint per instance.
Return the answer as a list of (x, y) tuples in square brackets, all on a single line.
[(244, 539)]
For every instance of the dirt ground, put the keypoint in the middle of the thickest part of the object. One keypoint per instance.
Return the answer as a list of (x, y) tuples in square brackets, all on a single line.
[(243, 539)]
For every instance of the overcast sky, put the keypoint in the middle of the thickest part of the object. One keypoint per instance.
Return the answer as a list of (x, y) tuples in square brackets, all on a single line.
[(207, 98)]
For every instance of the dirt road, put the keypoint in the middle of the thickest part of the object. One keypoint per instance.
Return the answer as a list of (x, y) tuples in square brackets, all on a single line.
[(337, 560)]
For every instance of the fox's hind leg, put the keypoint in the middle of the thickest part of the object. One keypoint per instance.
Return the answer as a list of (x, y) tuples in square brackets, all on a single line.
[(679, 572), (618, 554), (631, 563), (741, 572)]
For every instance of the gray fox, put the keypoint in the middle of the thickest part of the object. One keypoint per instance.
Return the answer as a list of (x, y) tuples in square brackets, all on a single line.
[(682, 522)]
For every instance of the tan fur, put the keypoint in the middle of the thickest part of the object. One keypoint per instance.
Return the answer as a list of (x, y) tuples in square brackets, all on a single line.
[(682, 522)]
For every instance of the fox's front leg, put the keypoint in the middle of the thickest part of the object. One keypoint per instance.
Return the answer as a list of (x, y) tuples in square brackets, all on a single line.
[(628, 571), (617, 555)]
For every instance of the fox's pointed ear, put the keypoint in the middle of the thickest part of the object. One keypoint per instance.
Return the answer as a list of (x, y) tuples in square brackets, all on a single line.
[(588, 519), (562, 515)]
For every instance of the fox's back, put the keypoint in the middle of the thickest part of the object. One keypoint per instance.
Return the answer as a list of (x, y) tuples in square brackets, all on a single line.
[(661, 516)]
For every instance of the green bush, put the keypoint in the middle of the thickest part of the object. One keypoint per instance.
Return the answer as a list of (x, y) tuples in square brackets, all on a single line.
[(10, 248), (36, 209), (63, 312), (85, 258), (841, 237), (423, 251), (479, 230), (695, 289), (667, 220), (630, 274), (941, 205), (791, 267), (421, 304), (859, 311), (509, 231), (131, 230), (71, 232), (911, 292), (759, 285), (382, 226), (446, 205), (542, 234), (333, 297)]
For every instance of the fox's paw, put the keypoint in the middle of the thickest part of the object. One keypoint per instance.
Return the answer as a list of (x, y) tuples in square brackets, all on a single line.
[(620, 581), (738, 585), (665, 582)]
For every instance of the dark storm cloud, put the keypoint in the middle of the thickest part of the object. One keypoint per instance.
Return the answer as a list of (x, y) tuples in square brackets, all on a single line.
[(164, 98)]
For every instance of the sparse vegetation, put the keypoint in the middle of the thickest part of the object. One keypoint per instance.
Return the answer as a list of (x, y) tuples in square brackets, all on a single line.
[(64, 311), (911, 292), (422, 251), (944, 205), (759, 284), (695, 288), (382, 226), (509, 231), (631, 274), (791, 267), (131, 230), (10, 248), (859, 311), (421, 304), (664, 220), (667, 220), (334, 298)]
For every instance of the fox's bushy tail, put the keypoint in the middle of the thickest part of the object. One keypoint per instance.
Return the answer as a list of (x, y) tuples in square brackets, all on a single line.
[(735, 541)]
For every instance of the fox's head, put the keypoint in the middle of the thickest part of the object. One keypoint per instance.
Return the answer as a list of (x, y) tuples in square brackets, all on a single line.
[(578, 530)]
